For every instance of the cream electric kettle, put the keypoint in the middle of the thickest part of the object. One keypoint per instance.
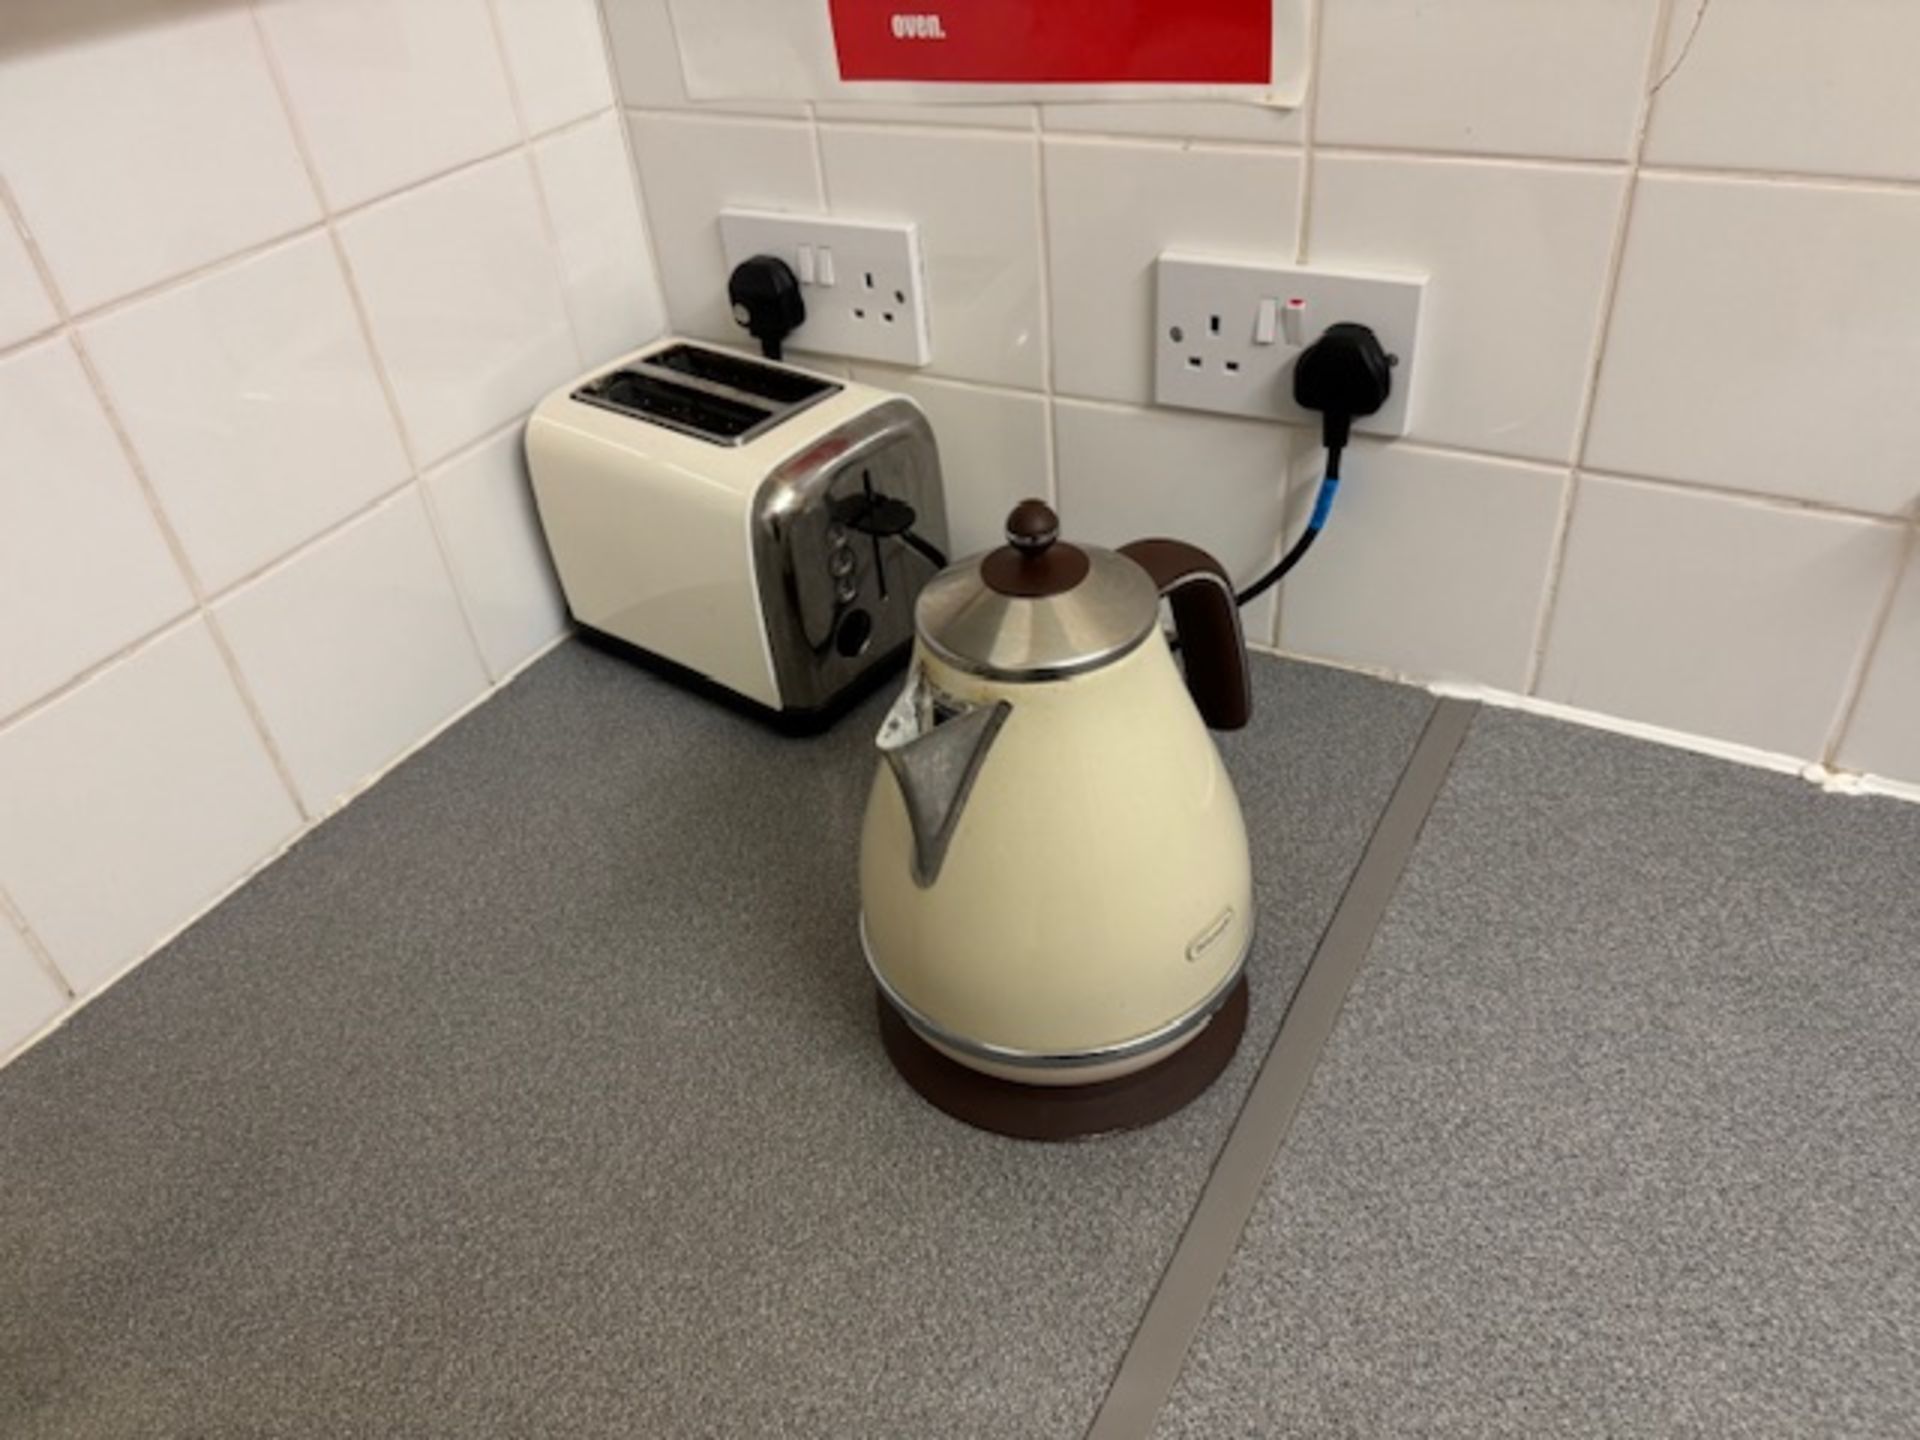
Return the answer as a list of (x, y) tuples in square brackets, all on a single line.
[(1054, 878)]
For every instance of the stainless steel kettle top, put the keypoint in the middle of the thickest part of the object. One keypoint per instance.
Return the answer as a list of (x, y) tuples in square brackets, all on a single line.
[(1037, 608)]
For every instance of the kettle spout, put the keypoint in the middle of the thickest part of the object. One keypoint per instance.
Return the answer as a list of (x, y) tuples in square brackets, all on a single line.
[(935, 749)]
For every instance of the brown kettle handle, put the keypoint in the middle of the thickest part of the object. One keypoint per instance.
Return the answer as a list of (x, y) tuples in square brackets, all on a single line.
[(1208, 621)]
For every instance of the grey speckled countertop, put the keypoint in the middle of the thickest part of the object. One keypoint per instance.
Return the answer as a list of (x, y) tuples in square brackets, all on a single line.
[(538, 1094)]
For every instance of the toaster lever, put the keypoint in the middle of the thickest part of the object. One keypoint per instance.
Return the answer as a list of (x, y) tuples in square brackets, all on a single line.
[(884, 517), (871, 514)]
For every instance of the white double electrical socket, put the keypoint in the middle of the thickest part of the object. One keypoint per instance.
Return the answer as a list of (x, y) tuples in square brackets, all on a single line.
[(862, 280), (1227, 334)]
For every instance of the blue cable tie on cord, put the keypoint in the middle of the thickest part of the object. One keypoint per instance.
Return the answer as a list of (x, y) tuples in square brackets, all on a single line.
[(1323, 502)]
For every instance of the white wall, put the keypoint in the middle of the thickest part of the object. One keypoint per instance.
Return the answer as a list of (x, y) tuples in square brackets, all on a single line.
[(278, 284), (1667, 449)]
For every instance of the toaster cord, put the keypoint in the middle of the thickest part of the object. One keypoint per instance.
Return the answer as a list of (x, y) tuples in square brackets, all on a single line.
[(926, 547)]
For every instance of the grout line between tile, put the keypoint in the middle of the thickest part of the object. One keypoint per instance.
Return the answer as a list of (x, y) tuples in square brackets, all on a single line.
[(1807, 179), (819, 158), (1155, 1356), (177, 621), (11, 914), (547, 227), (1596, 358), (279, 562), (363, 318), (1202, 144), (1302, 481), (347, 212), (1556, 468), (436, 524), (1043, 225), (202, 610), (1856, 683), (12, 214), (578, 122), (692, 111), (1788, 504), (1299, 452), (77, 318), (1356, 151), (1309, 141), (319, 537), (326, 221), (918, 127), (621, 124)]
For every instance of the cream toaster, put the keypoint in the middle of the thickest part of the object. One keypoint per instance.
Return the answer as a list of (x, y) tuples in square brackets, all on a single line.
[(761, 528)]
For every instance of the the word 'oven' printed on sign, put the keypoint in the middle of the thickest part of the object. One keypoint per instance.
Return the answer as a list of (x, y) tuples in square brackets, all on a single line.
[(1055, 42)]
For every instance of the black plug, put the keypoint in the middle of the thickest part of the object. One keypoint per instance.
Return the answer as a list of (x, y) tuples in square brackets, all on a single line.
[(1342, 374), (766, 299)]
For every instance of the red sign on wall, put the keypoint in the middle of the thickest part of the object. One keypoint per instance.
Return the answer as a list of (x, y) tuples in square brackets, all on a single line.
[(1056, 42)]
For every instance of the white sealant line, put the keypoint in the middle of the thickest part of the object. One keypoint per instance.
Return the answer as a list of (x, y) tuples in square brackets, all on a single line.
[(1834, 782)]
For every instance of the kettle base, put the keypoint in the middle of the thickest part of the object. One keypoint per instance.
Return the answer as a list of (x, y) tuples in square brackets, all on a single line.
[(1065, 1112)]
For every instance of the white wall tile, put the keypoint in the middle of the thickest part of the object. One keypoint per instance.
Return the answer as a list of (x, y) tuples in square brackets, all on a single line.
[(24, 307), (29, 998), (464, 301), (691, 167), (354, 649), (1178, 120), (143, 141), (1883, 737), (1433, 565), (1767, 337), (388, 92), (993, 451), (605, 266), (84, 568), (1128, 474), (646, 61), (977, 201), (1783, 85), (484, 505), (132, 802), (558, 60), (1714, 616), (1488, 76), (1112, 208), (252, 402), (1518, 260)]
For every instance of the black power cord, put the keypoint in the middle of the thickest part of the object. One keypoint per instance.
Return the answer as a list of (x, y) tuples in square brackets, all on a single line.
[(1344, 373)]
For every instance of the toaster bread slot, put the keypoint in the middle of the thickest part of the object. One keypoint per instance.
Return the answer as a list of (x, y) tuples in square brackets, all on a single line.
[(696, 411), (783, 387)]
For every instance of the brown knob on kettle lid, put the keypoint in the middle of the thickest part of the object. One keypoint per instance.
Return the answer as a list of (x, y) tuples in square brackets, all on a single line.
[(1032, 526), (1030, 566)]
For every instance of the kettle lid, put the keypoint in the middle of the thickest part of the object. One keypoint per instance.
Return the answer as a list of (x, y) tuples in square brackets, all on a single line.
[(1037, 608)]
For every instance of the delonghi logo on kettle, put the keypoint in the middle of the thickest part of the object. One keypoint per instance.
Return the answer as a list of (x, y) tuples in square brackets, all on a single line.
[(918, 27), (1218, 926)]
